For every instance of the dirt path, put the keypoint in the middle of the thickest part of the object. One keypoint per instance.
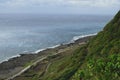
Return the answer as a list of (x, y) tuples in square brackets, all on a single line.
[(28, 67), (25, 69)]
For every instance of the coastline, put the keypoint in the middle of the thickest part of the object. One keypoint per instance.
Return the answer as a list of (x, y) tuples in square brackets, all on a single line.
[(75, 38), (16, 64)]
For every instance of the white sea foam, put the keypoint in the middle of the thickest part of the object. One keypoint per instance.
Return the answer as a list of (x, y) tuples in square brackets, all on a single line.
[(82, 36), (10, 58), (54, 46), (25, 52), (39, 50), (46, 48)]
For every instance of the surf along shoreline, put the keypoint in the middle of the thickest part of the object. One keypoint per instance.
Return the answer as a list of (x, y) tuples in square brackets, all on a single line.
[(16, 64)]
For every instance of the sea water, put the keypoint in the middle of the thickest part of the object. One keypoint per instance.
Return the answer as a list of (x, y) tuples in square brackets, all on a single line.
[(26, 33)]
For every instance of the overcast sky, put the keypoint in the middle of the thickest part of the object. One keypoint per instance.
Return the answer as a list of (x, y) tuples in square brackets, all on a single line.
[(60, 6)]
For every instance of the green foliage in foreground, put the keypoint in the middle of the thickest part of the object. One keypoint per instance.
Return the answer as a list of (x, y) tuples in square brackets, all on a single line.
[(100, 69)]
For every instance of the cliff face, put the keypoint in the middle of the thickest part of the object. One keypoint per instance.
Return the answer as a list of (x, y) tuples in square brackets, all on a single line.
[(99, 59)]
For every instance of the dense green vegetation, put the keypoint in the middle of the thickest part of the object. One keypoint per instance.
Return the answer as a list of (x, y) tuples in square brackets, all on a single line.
[(103, 59), (99, 59)]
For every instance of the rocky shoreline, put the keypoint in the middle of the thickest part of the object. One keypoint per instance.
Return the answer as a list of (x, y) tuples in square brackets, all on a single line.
[(16, 64)]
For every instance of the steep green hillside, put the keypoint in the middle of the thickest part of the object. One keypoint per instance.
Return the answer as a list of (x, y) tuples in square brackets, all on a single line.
[(99, 59), (103, 59)]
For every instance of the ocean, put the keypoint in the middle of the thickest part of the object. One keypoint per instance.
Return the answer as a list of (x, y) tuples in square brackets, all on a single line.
[(26, 33)]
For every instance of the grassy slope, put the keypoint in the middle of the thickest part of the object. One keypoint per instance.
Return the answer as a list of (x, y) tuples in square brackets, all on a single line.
[(97, 60), (103, 59), (49, 67)]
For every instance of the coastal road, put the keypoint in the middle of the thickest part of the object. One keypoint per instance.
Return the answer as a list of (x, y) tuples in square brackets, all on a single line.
[(25, 69), (28, 67)]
